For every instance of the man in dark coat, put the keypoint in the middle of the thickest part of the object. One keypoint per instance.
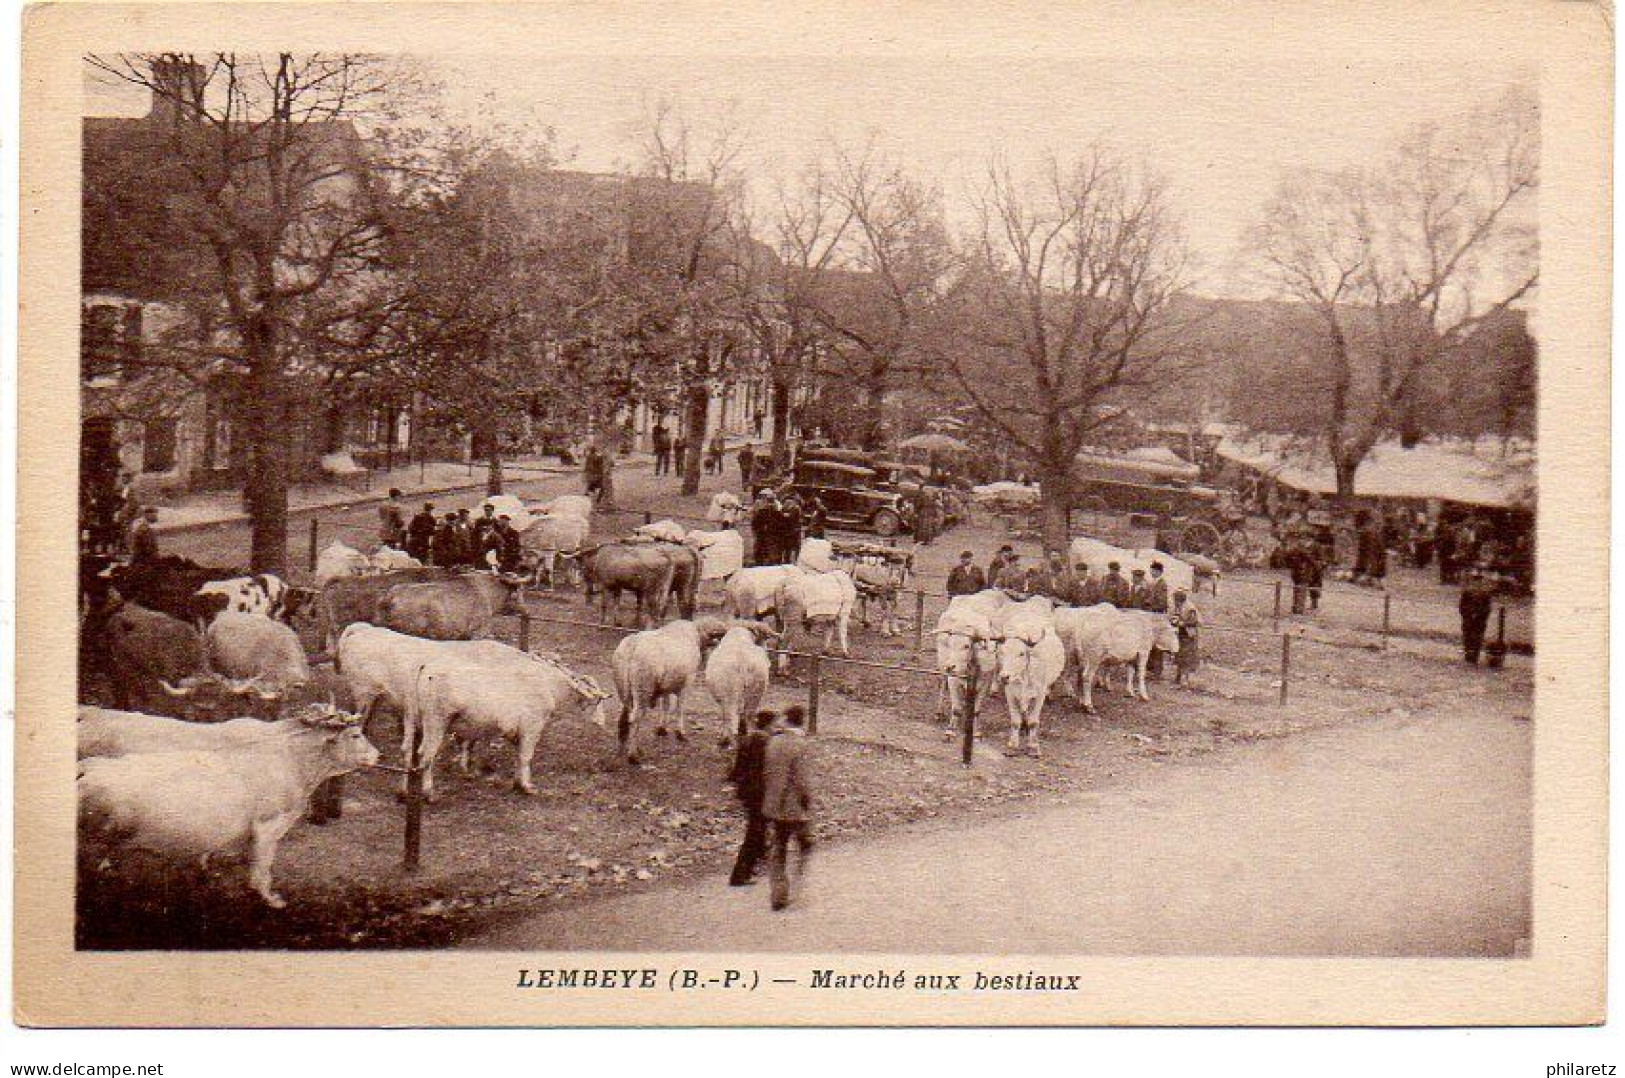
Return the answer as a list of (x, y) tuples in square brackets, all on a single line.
[(448, 542), (1089, 592), (143, 537), (480, 531), (791, 527), (787, 800), (766, 524), (1114, 588), (391, 521), (966, 578), (817, 518), (1139, 592), (1006, 552), (747, 467), (746, 777), (1477, 596), (420, 534), (660, 440), (1156, 599)]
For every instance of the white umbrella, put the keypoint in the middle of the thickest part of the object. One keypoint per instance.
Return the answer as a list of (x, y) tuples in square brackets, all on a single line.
[(934, 443)]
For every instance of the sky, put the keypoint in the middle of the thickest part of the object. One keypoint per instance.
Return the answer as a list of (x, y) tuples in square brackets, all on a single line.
[(1221, 124)]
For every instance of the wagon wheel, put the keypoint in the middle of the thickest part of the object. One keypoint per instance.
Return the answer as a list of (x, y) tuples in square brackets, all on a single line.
[(1199, 537)]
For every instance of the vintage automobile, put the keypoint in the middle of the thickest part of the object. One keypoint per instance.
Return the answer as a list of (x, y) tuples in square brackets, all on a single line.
[(853, 497)]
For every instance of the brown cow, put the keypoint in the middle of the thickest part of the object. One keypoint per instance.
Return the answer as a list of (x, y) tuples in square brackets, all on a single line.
[(458, 609)]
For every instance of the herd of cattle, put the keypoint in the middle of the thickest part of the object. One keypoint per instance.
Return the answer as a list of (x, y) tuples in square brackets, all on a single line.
[(225, 731)]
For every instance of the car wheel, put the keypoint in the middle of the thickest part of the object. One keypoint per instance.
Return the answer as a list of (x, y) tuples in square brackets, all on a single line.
[(887, 523)]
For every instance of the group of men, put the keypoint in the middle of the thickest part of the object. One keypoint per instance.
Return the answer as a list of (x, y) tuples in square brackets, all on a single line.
[(772, 776), (455, 539), (1066, 585), (778, 524)]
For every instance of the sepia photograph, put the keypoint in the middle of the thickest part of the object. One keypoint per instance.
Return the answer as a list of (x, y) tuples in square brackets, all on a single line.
[(635, 502)]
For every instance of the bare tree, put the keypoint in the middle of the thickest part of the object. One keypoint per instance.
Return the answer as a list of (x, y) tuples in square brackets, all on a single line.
[(268, 176), (681, 280), (896, 262), (1399, 263), (1065, 305)]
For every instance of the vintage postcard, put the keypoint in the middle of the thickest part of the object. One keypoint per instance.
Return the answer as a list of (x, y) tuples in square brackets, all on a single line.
[(822, 514)]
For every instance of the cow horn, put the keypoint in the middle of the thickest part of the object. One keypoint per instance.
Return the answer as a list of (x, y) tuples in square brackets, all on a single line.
[(177, 690)]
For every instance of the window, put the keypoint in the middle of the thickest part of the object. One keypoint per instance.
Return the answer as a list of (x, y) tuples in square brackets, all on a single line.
[(158, 446)]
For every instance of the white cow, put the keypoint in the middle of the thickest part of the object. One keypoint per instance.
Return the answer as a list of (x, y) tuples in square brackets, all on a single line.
[(381, 665), (337, 561), (103, 731), (753, 591), (737, 673), (509, 692), (1103, 634), (253, 646), (262, 593), (568, 505), (196, 804), (816, 555), (722, 553), (818, 600), (967, 653), (668, 530), (550, 537), (652, 669), (1029, 665)]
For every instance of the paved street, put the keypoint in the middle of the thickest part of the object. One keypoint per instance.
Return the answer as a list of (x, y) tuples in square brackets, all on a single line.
[(1389, 838)]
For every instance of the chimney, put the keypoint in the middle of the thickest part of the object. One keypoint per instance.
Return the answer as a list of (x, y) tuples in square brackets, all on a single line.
[(177, 89)]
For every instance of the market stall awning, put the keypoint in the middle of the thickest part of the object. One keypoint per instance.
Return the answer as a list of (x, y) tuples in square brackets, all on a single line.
[(1483, 473)]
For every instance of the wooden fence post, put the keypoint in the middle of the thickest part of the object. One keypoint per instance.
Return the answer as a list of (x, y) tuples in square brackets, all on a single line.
[(315, 526), (1387, 605), (524, 630), (1276, 616), (1286, 664), (812, 692), (411, 859), (967, 748), (919, 619)]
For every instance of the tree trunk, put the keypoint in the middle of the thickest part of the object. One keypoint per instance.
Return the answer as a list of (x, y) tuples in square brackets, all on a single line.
[(1345, 469), (1055, 509), (266, 485), (874, 425), (606, 449), (781, 418), (697, 405), (493, 474)]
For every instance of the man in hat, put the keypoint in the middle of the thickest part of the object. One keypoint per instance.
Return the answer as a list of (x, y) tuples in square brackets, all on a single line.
[(420, 533), (1011, 577), (391, 521), (966, 578), (1089, 590), (1477, 597), (1157, 597), (1156, 600), (1006, 552), (144, 537), (1114, 588), (1139, 592), (787, 800), (660, 442)]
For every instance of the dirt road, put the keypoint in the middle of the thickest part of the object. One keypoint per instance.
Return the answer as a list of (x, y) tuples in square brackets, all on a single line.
[(1393, 837)]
